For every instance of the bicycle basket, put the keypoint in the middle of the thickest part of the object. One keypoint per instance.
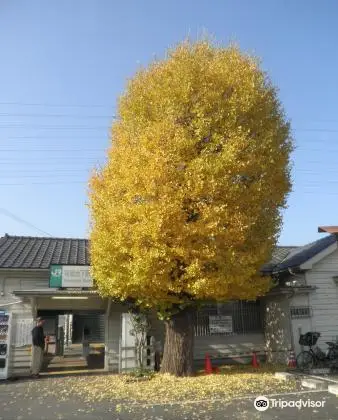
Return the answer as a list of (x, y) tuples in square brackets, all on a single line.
[(309, 339)]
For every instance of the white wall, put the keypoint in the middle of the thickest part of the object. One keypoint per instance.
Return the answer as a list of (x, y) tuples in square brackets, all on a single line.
[(20, 355), (127, 349), (302, 325), (324, 300), (12, 280), (113, 335)]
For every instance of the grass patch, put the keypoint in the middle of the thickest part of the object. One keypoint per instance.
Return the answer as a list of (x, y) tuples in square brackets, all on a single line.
[(141, 373)]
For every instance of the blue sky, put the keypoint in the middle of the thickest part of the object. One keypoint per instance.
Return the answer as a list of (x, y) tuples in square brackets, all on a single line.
[(64, 64)]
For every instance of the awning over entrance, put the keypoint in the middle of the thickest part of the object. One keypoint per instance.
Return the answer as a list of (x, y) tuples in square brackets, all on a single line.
[(63, 299), (56, 292)]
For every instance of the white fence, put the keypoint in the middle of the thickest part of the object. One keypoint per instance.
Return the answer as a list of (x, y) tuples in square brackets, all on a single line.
[(128, 357)]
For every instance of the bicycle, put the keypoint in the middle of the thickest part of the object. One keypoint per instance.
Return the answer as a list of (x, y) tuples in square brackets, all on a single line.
[(307, 359)]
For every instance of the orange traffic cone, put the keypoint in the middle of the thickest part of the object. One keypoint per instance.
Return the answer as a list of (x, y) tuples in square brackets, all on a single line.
[(292, 363), (208, 366), (254, 362)]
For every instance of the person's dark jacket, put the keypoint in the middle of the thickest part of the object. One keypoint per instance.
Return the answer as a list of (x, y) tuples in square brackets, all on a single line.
[(38, 337)]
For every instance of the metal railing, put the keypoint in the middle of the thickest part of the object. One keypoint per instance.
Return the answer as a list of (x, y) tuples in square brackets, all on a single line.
[(246, 318)]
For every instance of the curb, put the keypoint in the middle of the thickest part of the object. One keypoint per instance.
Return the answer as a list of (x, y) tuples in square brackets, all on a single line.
[(333, 389), (285, 376), (320, 371), (314, 384)]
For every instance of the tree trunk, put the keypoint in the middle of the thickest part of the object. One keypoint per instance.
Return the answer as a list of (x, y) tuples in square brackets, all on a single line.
[(179, 344)]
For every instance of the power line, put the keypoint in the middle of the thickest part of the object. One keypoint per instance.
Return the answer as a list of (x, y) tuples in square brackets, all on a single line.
[(44, 170), (324, 130), (322, 149), (61, 169), (42, 183), (76, 170), (49, 184), (77, 178), (319, 193), (43, 176), (98, 150), (50, 105), (94, 138), (300, 189), (83, 160), (72, 127), (51, 161), (87, 175), (53, 137), (49, 157), (55, 175), (86, 172), (20, 164), (100, 106), (6, 114), (20, 220), (51, 150), (57, 127), (325, 162)]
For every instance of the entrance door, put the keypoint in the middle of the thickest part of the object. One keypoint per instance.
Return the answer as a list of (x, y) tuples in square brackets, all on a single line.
[(75, 353)]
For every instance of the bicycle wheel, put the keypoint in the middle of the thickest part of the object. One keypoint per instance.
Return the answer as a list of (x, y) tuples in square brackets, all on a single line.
[(332, 355), (305, 360), (332, 358)]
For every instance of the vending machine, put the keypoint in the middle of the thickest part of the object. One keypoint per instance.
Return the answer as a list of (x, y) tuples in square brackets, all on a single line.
[(5, 335)]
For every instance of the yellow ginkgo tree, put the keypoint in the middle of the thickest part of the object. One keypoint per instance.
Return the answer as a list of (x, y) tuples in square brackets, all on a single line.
[(188, 206)]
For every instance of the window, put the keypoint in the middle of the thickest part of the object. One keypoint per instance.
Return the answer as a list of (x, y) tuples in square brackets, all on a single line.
[(246, 317), (300, 312)]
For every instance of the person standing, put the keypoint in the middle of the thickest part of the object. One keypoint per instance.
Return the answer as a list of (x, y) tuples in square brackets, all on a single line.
[(38, 341)]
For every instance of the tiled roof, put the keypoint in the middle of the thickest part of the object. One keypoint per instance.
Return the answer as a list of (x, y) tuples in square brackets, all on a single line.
[(302, 254), (280, 254), (39, 252)]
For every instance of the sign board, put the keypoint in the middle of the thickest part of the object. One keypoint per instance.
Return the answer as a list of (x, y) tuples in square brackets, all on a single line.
[(70, 276), (219, 324), (23, 332)]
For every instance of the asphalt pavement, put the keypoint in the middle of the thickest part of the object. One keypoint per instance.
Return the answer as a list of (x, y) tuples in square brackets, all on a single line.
[(18, 402)]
